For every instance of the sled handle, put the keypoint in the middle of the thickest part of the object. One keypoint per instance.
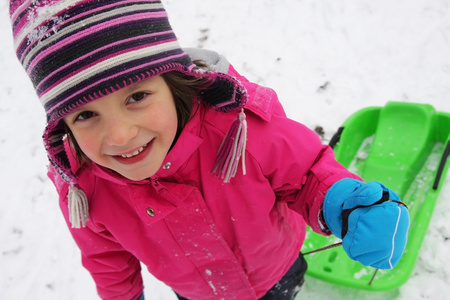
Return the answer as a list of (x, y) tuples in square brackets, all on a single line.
[(441, 166), (336, 137)]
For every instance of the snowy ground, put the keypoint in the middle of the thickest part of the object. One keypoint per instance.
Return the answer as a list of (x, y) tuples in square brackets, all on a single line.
[(326, 60)]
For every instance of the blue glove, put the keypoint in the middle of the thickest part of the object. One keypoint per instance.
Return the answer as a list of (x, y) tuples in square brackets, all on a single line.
[(370, 219), (141, 297)]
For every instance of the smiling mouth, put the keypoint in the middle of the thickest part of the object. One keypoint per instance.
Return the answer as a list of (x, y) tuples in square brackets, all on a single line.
[(134, 153)]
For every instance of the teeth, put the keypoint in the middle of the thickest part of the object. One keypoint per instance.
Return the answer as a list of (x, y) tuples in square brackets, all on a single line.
[(134, 153)]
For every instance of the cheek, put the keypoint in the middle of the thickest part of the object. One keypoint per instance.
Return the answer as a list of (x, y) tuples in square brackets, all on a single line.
[(172, 122), (88, 142), (166, 120)]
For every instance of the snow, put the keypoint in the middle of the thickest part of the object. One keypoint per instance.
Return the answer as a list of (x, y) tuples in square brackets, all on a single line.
[(325, 59)]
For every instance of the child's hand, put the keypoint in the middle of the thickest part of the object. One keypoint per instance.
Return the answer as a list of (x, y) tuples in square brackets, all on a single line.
[(370, 219)]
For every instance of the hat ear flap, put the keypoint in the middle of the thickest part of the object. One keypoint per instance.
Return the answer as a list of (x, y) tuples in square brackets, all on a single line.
[(54, 144), (224, 94)]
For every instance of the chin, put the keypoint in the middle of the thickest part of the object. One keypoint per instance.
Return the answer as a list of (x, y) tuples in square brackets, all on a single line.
[(138, 176)]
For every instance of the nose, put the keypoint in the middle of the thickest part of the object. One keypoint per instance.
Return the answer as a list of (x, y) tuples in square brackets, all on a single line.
[(119, 131)]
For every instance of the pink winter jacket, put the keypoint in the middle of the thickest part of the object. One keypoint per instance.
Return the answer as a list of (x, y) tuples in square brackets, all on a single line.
[(204, 238)]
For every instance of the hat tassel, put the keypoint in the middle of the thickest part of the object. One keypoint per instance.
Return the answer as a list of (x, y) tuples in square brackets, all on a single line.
[(78, 207), (232, 149)]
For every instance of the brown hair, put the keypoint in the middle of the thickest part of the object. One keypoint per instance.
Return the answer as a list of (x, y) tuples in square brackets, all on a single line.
[(185, 90)]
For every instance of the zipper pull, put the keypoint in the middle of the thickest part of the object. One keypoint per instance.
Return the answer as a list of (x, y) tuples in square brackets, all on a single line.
[(155, 183)]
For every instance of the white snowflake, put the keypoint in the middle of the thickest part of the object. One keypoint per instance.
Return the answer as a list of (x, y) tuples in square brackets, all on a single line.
[(44, 31), (46, 10)]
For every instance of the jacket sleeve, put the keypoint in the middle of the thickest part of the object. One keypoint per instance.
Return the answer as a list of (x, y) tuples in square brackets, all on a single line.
[(116, 272), (299, 167), (308, 200)]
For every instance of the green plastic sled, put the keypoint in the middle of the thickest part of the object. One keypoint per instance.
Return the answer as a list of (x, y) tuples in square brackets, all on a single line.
[(405, 146)]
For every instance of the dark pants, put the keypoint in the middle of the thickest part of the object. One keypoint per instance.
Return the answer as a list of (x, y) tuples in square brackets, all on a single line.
[(288, 287)]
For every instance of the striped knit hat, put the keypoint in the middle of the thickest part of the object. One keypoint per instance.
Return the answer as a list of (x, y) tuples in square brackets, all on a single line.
[(76, 51)]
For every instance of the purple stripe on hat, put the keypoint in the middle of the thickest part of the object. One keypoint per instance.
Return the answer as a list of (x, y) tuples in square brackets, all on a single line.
[(119, 71), (78, 15), (23, 11), (93, 60), (108, 64), (116, 40), (17, 11), (104, 26), (115, 74), (38, 12), (20, 22), (61, 73)]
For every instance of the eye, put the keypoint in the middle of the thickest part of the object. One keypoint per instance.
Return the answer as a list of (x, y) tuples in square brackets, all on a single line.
[(84, 115), (137, 97)]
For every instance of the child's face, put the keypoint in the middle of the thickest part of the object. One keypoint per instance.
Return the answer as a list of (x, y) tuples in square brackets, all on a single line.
[(129, 131)]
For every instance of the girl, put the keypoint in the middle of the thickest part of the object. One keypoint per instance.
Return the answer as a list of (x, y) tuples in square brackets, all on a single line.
[(195, 172)]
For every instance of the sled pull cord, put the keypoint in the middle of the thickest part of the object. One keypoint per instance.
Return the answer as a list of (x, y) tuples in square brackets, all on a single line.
[(324, 248), (334, 246), (373, 276)]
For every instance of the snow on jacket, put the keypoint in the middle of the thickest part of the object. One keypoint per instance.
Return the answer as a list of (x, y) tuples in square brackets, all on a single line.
[(204, 238)]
